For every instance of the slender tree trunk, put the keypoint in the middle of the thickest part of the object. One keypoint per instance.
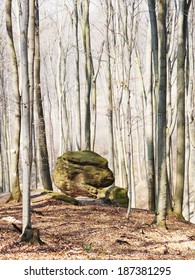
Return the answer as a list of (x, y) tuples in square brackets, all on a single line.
[(154, 31), (4, 142), (25, 139), (109, 91), (77, 62), (31, 56), (150, 131), (162, 171), (42, 141), (150, 145), (88, 74), (94, 101), (151, 106), (186, 202), (15, 141), (28, 233), (181, 54), (58, 83), (192, 114)]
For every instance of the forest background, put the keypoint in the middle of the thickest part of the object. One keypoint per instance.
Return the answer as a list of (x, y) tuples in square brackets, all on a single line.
[(114, 77)]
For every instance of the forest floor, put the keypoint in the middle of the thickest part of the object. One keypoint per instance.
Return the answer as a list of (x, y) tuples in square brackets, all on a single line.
[(94, 231)]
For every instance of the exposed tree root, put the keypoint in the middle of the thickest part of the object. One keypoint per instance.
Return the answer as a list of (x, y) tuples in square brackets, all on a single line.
[(32, 236), (17, 228)]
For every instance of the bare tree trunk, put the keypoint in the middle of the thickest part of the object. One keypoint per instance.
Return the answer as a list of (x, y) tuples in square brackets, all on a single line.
[(162, 171), (94, 100), (4, 143), (58, 83), (155, 56), (150, 130), (31, 56), (89, 72), (15, 139), (3, 130), (154, 31), (77, 62), (192, 114), (181, 54), (28, 233), (186, 202), (25, 139), (152, 144), (109, 95), (42, 141)]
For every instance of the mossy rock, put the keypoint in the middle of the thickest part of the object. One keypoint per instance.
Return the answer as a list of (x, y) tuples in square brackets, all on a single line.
[(119, 196), (116, 195), (60, 196), (85, 158), (82, 173), (102, 193)]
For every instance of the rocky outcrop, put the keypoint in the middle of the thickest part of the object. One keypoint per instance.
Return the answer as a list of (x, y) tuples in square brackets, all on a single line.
[(82, 173)]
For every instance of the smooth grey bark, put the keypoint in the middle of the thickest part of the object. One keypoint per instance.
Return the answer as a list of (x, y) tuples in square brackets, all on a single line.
[(184, 6), (154, 32), (16, 111), (150, 129), (89, 72), (186, 199), (78, 93), (4, 139), (152, 107), (28, 233), (45, 176), (109, 90), (25, 137), (94, 100), (162, 92), (171, 103), (192, 115), (31, 56)]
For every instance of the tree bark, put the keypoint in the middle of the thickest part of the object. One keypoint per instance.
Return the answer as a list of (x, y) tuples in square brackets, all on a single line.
[(162, 171), (78, 94), (181, 54), (31, 236), (89, 72), (42, 141), (25, 139), (150, 131), (109, 95), (15, 139), (154, 32)]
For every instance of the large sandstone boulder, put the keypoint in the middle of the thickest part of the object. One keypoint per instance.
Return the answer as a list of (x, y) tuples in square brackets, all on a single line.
[(82, 173)]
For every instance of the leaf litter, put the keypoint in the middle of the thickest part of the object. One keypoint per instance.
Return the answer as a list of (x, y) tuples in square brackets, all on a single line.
[(94, 231)]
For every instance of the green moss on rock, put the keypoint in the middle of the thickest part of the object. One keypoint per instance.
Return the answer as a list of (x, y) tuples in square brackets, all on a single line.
[(82, 173), (115, 195), (60, 196), (119, 195), (85, 158)]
